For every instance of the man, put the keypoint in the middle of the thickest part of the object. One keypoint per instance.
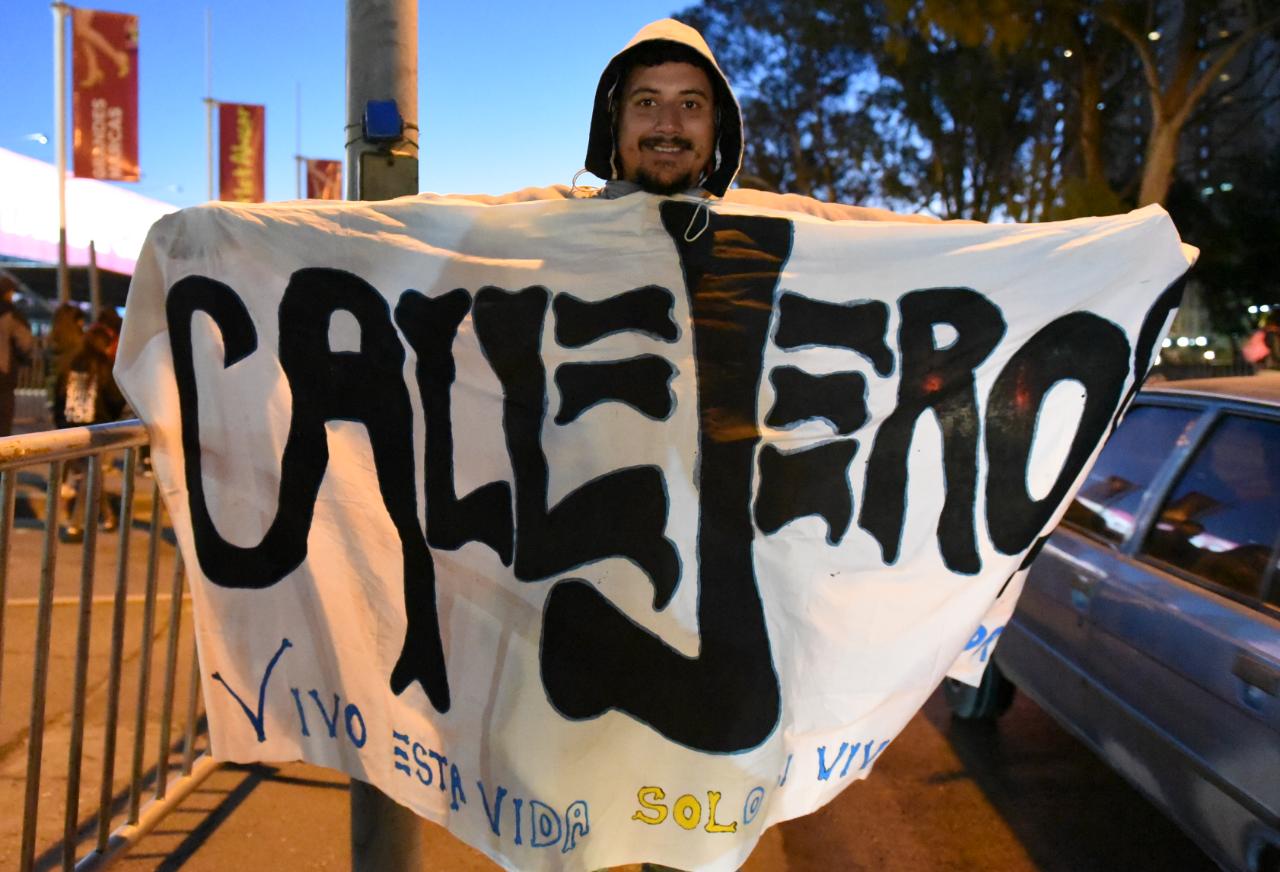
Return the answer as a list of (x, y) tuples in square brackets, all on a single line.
[(15, 350), (665, 120)]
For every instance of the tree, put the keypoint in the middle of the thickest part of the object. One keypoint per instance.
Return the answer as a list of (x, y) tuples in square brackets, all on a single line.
[(810, 133), (843, 105), (1185, 51)]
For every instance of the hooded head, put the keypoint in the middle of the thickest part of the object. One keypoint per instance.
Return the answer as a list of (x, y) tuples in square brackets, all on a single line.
[(659, 43)]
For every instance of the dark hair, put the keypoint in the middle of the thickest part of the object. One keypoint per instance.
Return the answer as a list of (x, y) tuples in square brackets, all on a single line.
[(657, 52), (110, 318), (662, 51)]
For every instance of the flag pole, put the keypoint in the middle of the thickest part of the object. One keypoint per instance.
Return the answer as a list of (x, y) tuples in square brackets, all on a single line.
[(60, 134), (209, 102), (297, 132)]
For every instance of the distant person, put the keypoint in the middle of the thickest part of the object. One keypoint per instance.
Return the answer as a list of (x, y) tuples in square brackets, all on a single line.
[(108, 317), (65, 339), (1266, 341), (16, 345), (88, 394)]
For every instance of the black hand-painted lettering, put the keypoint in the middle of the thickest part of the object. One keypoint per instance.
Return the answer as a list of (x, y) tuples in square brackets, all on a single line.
[(807, 482), (365, 386), (484, 515), (643, 382), (811, 481), (594, 658), (859, 327), (1080, 346), (940, 380), (839, 398), (622, 514), (1152, 328), (643, 310)]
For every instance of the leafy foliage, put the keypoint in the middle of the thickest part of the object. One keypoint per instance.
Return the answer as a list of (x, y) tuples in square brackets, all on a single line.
[(1015, 109)]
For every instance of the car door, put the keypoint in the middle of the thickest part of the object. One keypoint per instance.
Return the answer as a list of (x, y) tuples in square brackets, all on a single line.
[(1045, 648), (1186, 650)]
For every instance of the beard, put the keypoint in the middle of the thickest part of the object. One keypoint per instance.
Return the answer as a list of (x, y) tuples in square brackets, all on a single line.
[(665, 188), (653, 185)]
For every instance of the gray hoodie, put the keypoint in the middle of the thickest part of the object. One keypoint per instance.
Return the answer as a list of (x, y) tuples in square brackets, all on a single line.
[(602, 151)]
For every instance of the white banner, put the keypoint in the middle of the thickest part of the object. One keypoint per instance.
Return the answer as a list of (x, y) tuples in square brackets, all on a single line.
[(609, 531)]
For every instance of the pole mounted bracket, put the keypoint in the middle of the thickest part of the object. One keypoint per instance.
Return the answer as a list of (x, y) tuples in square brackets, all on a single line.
[(382, 123)]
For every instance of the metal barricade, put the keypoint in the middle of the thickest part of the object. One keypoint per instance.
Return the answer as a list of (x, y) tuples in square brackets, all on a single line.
[(98, 467)]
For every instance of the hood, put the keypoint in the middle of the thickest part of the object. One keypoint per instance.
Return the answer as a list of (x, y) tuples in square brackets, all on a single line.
[(728, 151)]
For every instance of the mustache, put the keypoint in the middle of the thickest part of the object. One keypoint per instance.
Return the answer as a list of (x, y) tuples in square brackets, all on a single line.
[(679, 141)]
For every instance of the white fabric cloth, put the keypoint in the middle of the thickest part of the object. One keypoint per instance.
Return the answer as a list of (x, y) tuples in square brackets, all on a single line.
[(299, 658)]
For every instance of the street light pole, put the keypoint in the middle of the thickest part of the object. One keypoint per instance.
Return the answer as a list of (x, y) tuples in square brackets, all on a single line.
[(382, 64), (60, 136), (210, 104)]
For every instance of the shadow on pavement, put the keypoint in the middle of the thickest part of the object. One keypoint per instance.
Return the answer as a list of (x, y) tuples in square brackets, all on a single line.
[(1069, 809)]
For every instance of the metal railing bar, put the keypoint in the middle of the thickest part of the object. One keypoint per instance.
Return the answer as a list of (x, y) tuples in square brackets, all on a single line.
[(144, 665), (8, 493), (40, 675), (91, 488), (170, 676), (117, 650), (58, 601), (119, 803), (155, 810), (193, 698), (49, 445)]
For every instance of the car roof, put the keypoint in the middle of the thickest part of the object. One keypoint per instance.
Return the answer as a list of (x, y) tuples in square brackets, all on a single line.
[(1261, 388)]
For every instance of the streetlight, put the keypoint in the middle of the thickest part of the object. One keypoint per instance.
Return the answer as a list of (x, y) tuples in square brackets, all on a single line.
[(1154, 35)]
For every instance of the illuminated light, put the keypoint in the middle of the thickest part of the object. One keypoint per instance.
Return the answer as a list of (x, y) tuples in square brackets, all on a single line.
[(1153, 35), (1159, 360), (1208, 192), (1066, 52), (1226, 186), (1225, 77), (1101, 105), (1209, 355), (37, 137), (1253, 310), (1202, 341), (1183, 342), (1167, 342), (1264, 308), (1223, 34)]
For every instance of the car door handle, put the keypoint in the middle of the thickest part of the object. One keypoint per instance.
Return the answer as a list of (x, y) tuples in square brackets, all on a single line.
[(1082, 585), (1257, 673)]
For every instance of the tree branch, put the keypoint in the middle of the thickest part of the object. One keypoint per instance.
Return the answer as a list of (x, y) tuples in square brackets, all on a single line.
[(1201, 87)]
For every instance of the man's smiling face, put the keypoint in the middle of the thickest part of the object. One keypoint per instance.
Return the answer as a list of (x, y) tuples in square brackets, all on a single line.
[(666, 127)]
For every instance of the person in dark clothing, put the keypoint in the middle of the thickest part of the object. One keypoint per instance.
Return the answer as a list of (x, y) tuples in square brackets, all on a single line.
[(87, 394), (16, 344), (65, 339)]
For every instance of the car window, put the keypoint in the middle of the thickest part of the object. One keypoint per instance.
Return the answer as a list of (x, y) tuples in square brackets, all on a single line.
[(1107, 503), (1222, 516)]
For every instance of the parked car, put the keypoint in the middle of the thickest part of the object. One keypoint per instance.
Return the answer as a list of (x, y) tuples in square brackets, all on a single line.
[(1150, 622)]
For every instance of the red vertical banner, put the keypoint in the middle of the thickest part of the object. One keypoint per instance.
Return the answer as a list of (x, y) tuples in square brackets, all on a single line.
[(104, 95), (241, 159), (324, 179)]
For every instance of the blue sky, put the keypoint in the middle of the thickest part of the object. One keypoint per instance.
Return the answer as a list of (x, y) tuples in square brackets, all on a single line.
[(504, 90)]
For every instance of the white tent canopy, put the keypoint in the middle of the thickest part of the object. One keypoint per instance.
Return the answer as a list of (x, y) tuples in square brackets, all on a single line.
[(114, 219)]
